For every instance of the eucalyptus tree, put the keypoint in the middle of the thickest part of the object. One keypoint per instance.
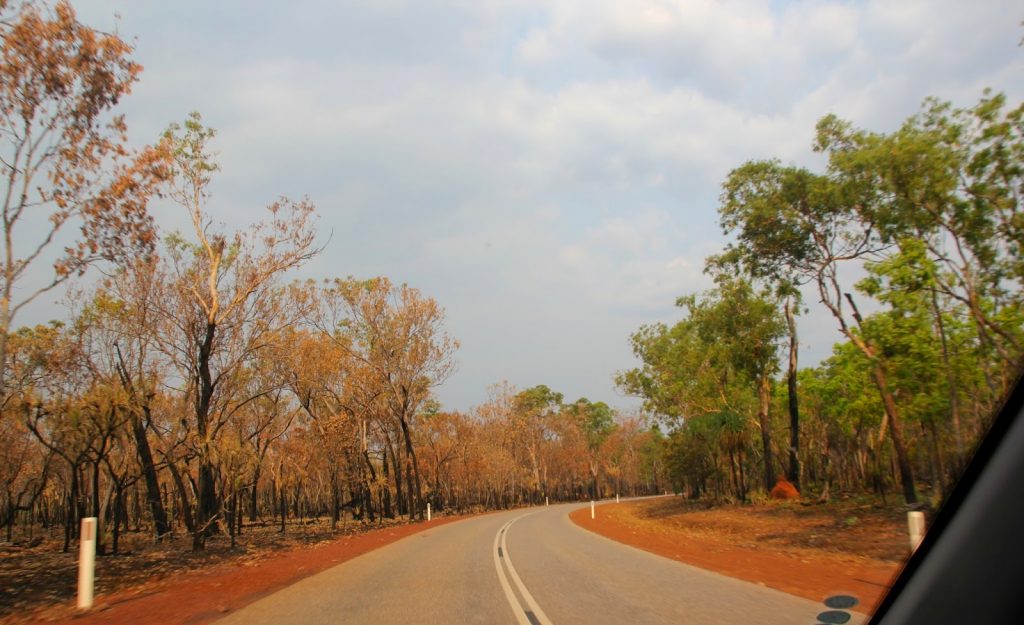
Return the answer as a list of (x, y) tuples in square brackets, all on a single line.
[(117, 328), (502, 453), (949, 180), (35, 358), (398, 337), (533, 410), (222, 301), (782, 285), (684, 385), (24, 472), (635, 452), (110, 410), (323, 378), (846, 440), (943, 191), (742, 329), (266, 414), (677, 379), (719, 360), (597, 422), (65, 158), (75, 416), (963, 375), (440, 435), (789, 221)]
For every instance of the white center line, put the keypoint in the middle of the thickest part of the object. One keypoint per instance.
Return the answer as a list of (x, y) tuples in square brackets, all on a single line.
[(500, 554)]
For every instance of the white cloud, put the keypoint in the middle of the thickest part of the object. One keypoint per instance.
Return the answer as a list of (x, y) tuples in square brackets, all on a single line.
[(536, 46), (636, 263), (815, 29)]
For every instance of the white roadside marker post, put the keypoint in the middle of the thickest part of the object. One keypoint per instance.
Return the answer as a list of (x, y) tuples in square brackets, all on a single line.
[(86, 562), (915, 521), (546, 500), (428, 511), (616, 498), (591, 508)]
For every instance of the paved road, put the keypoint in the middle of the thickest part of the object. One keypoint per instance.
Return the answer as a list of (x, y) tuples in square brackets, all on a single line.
[(524, 567)]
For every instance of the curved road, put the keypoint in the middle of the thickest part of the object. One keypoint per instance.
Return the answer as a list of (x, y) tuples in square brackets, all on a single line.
[(522, 567)]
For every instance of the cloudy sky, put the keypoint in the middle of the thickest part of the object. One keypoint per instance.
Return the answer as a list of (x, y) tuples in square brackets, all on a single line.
[(547, 170)]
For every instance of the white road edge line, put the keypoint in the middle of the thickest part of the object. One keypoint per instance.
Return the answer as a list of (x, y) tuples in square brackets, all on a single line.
[(500, 546)]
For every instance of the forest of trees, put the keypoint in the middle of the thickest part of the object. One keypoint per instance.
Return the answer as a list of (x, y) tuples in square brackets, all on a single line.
[(195, 387), (912, 241)]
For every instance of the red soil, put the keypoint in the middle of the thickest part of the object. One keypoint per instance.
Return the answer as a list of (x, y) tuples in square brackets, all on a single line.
[(811, 552), (203, 596)]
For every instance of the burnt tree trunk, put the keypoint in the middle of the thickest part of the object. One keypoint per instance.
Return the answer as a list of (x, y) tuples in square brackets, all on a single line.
[(793, 475), (149, 473), (206, 496), (764, 402), (185, 509), (254, 495), (335, 499), (416, 507), (896, 433), (70, 518), (156, 507), (368, 487)]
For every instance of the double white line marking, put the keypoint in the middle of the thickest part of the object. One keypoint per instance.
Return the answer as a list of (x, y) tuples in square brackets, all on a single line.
[(531, 614)]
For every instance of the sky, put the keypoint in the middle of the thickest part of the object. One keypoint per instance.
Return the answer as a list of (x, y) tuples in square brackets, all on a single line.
[(548, 171)]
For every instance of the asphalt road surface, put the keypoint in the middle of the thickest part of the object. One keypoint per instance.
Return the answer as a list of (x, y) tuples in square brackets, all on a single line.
[(523, 567)]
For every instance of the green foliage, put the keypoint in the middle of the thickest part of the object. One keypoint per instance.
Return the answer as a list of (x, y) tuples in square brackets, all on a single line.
[(843, 388), (944, 189), (188, 144), (595, 418), (930, 213), (704, 374), (709, 360), (539, 399)]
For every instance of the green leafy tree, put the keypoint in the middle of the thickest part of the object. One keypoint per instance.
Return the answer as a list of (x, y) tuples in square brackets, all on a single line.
[(719, 360), (949, 180), (743, 329), (788, 221), (533, 410), (597, 421)]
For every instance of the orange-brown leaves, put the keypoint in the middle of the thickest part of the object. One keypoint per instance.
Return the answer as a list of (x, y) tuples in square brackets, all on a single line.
[(63, 151)]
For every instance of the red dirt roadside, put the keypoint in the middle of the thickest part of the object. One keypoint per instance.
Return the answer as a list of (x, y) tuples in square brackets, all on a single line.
[(812, 553), (202, 596)]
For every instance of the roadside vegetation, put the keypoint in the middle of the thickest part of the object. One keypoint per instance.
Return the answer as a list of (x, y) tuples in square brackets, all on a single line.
[(912, 241), (195, 387)]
